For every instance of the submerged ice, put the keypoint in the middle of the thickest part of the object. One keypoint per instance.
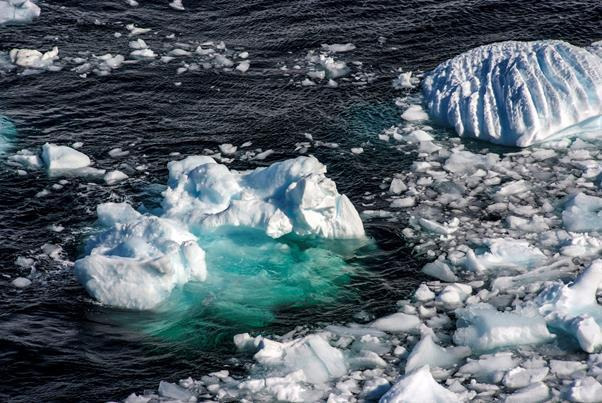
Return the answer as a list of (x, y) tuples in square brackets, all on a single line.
[(517, 93), (139, 259)]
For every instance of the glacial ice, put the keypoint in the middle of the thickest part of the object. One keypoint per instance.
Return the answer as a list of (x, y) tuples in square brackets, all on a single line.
[(18, 11), (57, 158), (517, 93), (426, 352), (34, 59), (583, 213)]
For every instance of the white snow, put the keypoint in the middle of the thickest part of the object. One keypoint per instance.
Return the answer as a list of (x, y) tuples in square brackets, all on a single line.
[(517, 93)]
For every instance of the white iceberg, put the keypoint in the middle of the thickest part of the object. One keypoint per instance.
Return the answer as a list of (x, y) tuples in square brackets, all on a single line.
[(18, 11), (139, 260), (288, 196), (57, 158), (517, 93)]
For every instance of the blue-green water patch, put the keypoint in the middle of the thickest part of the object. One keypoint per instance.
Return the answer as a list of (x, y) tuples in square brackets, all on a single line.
[(252, 279), (7, 133)]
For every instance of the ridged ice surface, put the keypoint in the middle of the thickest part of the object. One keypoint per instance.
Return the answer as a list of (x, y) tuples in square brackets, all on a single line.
[(517, 93)]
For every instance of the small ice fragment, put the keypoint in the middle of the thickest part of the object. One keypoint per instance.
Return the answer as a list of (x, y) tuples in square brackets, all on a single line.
[(338, 47), (227, 149), (243, 66), (113, 177), (397, 323), (21, 282), (414, 113), (357, 150)]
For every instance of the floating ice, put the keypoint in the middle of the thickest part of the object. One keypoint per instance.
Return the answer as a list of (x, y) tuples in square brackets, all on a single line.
[(18, 11), (426, 352), (139, 259), (338, 47), (498, 254), (573, 308), (583, 213), (483, 328), (34, 59), (517, 93), (57, 158), (419, 386), (289, 196)]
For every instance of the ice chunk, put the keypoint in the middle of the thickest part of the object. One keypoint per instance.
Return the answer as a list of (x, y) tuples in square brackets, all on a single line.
[(312, 354), (414, 113), (113, 177), (489, 367), (587, 389), (18, 11), (21, 282), (483, 328), (574, 309), (536, 392), (583, 213), (426, 352), (465, 162), (34, 59), (58, 158), (338, 47), (136, 264), (497, 254), (397, 323), (517, 93), (419, 386)]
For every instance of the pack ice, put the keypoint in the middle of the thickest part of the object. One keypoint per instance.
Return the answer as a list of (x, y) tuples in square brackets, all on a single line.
[(518, 93), (140, 258), (18, 11)]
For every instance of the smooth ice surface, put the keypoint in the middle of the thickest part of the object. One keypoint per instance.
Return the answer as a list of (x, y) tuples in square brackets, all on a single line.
[(483, 328), (517, 93), (419, 386), (18, 11), (58, 158)]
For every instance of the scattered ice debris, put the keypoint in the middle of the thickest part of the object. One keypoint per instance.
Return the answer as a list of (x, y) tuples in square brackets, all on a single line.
[(518, 93), (243, 66), (405, 81), (18, 11)]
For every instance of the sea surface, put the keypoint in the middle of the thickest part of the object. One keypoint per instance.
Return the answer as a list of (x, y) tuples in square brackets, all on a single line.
[(56, 344)]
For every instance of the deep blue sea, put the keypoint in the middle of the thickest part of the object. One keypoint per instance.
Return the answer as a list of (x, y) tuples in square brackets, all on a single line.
[(56, 344)]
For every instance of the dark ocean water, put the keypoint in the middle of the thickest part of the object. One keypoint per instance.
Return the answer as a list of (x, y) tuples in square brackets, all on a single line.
[(55, 344)]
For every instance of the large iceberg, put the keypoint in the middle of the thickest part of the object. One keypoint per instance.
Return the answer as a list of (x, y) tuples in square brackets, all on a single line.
[(139, 259), (518, 93), (18, 11)]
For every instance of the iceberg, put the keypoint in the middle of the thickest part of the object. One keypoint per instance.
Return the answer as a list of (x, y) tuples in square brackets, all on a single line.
[(292, 196), (517, 93), (18, 11), (139, 259)]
